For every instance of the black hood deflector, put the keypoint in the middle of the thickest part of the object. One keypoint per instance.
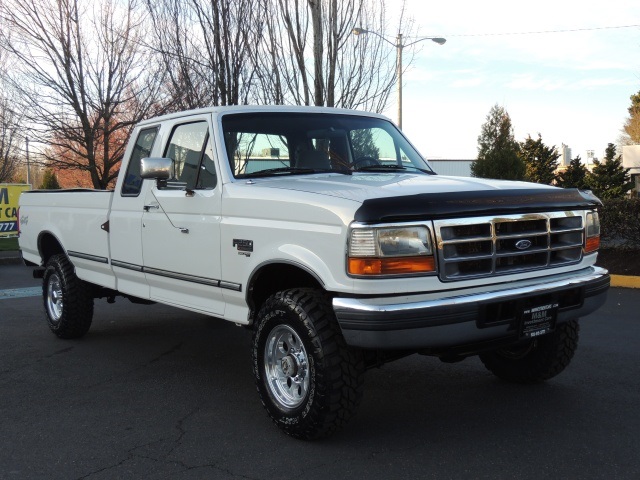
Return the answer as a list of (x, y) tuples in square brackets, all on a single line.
[(433, 206)]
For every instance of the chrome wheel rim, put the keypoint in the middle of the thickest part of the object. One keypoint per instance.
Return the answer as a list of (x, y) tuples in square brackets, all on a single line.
[(54, 298), (286, 367)]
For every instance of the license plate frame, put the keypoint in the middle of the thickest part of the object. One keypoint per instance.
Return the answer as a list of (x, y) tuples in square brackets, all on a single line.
[(538, 319)]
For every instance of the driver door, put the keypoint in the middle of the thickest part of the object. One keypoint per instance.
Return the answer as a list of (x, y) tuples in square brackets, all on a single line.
[(181, 224)]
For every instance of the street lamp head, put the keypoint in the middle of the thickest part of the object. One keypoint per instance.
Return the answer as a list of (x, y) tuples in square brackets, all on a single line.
[(439, 40), (358, 31)]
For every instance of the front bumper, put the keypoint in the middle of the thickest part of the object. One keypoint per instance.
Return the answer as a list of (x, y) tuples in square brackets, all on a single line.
[(449, 320)]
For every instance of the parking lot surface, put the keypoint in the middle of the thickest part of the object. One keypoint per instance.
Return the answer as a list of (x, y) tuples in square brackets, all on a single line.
[(155, 392)]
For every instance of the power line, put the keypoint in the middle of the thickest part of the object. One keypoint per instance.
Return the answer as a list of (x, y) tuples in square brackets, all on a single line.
[(539, 32)]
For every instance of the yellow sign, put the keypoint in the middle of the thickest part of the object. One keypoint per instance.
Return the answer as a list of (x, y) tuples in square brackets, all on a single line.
[(9, 195)]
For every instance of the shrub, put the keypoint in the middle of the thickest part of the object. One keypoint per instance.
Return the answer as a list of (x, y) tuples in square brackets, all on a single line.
[(620, 223), (50, 181)]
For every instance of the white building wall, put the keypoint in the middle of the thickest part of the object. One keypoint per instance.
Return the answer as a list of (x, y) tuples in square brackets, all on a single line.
[(456, 168), (631, 160), (631, 157)]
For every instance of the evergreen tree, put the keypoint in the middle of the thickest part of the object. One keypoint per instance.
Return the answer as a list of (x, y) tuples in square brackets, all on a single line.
[(498, 149), (575, 176), (541, 162), (609, 179), (610, 152), (50, 181)]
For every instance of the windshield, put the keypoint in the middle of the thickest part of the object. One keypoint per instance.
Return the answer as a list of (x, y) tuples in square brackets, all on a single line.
[(270, 144)]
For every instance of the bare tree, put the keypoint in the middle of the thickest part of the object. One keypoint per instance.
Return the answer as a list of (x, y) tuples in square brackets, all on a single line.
[(203, 46), (10, 126), (9, 139), (308, 54), (83, 80)]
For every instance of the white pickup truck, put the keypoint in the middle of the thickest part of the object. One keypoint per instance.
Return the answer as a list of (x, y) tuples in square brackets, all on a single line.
[(327, 234)]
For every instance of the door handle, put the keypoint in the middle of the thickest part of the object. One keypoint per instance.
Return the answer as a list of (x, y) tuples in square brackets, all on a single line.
[(149, 207)]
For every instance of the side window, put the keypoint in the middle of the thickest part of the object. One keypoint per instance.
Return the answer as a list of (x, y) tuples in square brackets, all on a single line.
[(190, 149), (132, 180)]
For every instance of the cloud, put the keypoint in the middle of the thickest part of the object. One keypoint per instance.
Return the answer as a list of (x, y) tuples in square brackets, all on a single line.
[(467, 82), (533, 82), (573, 87)]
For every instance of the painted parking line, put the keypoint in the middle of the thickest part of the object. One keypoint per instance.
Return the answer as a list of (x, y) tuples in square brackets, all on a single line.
[(20, 292)]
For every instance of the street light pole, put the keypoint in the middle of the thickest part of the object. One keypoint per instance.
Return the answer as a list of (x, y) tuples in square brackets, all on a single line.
[(399, 47), (28, 169)]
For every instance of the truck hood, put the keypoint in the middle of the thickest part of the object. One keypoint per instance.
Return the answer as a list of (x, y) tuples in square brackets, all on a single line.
[(390, 197), (365, 186)]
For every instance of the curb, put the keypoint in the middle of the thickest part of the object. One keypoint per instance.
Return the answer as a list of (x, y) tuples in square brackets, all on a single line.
[(622, 281), (625, 281), (10, 261), (10, 258)]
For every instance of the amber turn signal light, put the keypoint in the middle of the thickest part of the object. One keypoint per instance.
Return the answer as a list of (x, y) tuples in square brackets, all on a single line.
[(593, 244), (391, 265)]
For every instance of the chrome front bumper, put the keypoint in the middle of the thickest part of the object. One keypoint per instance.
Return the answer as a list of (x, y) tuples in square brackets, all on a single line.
[(455, 319)]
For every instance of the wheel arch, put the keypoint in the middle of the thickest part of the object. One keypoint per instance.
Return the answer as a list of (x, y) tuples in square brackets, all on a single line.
[(49, 245), (271, 277)]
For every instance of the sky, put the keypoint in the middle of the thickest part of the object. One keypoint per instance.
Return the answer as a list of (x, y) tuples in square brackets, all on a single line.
[(570, 84)]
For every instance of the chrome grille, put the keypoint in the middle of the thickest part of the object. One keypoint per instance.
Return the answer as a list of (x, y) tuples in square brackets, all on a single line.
[(486, 246)]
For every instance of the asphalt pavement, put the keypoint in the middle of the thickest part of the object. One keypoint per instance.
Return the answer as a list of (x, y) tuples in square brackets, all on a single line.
[(154, 392)]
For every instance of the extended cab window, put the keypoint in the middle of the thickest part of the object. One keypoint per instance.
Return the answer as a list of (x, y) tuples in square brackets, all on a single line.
[(191, 151), (144, 143)]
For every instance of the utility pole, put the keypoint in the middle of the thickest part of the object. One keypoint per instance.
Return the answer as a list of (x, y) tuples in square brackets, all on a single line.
[(28, 169), (399, 47)]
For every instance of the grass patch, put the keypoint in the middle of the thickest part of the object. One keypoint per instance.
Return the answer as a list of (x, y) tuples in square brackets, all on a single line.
[(8, 244)]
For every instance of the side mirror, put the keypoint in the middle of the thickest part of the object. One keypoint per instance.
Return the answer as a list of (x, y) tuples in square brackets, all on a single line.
[(158, 168)]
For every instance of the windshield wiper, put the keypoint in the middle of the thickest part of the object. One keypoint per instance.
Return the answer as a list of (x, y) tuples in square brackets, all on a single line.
[(294, 170), (393, 168), (275, 171)]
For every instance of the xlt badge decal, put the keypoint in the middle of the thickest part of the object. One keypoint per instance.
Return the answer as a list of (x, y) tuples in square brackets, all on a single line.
[(245, 247)]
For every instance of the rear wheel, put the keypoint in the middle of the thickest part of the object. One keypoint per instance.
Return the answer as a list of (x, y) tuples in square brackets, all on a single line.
[(68, 301), (537, 360), (309, 380)]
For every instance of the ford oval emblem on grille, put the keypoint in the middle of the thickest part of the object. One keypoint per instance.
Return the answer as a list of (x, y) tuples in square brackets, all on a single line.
[(523, 244)]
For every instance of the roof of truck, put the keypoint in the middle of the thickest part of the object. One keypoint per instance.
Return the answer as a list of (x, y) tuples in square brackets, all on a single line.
[(257, 109)]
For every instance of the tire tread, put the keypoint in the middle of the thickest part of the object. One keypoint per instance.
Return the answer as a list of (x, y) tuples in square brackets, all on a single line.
[(340, 374), (549, 357), (77, 299)]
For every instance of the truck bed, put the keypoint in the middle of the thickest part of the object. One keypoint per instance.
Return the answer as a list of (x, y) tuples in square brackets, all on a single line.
[(74, 218)]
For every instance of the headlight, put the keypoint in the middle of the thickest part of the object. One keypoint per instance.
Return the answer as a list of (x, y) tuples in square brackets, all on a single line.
[(390, 251), (592, 242)]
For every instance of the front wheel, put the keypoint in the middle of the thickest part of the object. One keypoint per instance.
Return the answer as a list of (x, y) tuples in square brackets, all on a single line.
[(309, 380), (537, 360), (68, 302)]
